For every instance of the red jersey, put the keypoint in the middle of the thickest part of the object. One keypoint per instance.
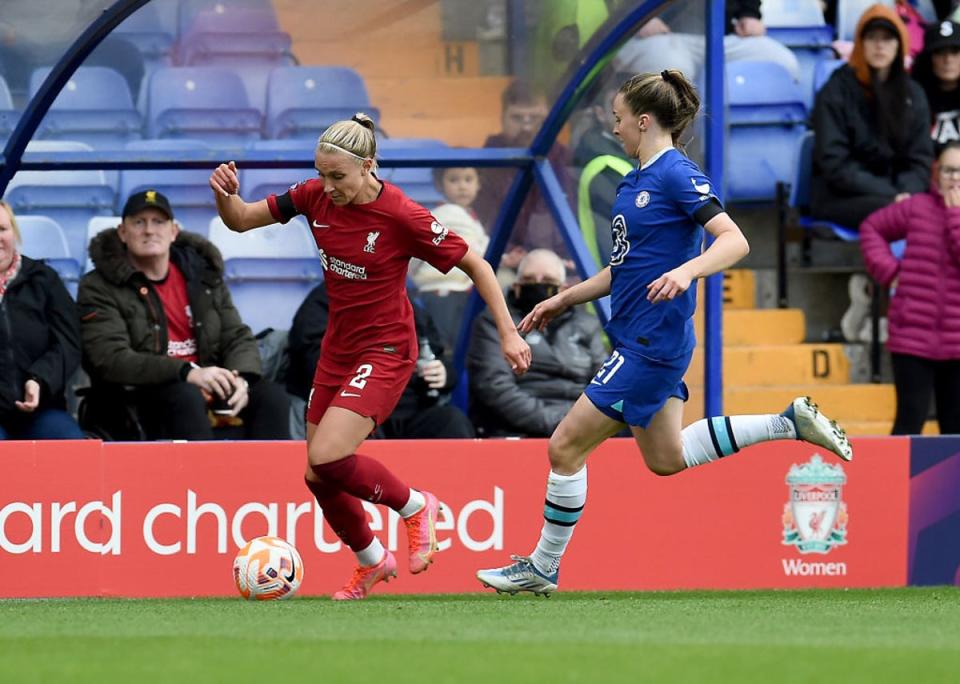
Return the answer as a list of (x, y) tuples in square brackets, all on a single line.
[(365, 250), (172, 290)]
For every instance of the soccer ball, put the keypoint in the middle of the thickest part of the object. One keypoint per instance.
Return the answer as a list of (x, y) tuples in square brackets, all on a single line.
[(267, 568)]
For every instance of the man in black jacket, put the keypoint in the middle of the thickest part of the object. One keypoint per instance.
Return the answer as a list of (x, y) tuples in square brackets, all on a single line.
[(157, 316), (565, 356)]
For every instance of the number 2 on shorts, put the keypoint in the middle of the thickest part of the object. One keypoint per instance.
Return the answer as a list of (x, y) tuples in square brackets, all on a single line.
[(360, 379)]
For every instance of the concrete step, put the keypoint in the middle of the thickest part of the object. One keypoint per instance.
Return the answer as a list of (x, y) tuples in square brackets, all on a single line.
[(777, 365), (847, 404), (750, 327)]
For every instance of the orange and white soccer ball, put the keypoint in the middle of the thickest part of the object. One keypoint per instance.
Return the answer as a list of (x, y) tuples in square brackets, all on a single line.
[(266, 569)]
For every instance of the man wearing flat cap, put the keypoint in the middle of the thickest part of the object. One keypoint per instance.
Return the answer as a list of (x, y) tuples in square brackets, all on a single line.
[(157, 319)]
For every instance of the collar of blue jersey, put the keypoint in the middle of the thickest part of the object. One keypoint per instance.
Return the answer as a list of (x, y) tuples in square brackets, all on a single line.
[(655, 157)]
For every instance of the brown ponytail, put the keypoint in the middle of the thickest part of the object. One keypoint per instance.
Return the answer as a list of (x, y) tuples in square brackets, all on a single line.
[(668, 96)]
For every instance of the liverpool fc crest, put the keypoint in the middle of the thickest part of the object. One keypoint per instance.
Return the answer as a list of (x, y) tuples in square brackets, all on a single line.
[(815, 516)]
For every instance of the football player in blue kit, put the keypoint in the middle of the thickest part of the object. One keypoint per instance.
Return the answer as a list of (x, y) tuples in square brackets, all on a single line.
[(660, 213)]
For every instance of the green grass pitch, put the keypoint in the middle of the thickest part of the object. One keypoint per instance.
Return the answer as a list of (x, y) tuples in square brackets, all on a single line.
[(901, 635)]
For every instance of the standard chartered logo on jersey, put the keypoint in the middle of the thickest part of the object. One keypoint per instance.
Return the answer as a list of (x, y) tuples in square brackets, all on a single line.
[(341, 267), (815, 516)]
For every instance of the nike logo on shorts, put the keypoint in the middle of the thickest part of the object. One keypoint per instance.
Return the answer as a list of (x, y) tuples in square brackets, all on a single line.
[(349, 394), (320, 225)]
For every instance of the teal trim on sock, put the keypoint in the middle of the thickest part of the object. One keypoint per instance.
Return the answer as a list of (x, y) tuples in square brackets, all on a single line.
[(723, 437), (552, 513)]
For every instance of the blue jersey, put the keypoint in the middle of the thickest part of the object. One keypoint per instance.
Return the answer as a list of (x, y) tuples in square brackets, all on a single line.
[(658, 219)]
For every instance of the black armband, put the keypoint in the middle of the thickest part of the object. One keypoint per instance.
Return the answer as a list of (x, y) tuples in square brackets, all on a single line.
[(708, 211), (285, 207)]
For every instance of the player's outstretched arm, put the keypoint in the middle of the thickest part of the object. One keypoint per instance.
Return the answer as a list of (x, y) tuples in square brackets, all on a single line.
[(592, 288), (728, 248), (515, 349), (237, 215)]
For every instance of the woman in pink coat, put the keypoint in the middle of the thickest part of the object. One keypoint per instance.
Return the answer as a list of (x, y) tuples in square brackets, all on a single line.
[(924, 314)]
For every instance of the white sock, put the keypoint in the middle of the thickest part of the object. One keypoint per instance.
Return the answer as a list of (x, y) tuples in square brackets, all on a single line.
[(414, 504), (713, 438), (371, 555), (566, 496)]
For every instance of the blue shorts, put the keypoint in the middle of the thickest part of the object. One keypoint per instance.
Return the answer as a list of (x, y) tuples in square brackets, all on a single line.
[(632, 388)]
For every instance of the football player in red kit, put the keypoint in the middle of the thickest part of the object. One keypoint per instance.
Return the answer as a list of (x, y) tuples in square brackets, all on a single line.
[(366, 231)]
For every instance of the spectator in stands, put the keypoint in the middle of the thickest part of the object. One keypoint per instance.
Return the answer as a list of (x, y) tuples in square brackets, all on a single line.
[(924, 316), (677, 42), (445, 294), (424, 410), (937, 70), (523, 110), (600, 158), (39, 343), (157, 316), (565, 357), (872, 123)]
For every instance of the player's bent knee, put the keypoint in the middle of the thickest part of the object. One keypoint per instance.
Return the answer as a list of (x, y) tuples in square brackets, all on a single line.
[(565, 458), (666, 462), (321, 452)]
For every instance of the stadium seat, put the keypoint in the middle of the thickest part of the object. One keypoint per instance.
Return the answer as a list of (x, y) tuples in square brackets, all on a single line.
[(823, 72), (94, 227), (152, 29), (8, 115), (190, 9), (44, 239), (849, 13), (94, 107), (237, 38), (204, 102), (269, 270), (766, 115), (303, 101), (799, 25), (256, 184), (800, 191), (277, 241), (416, 182), (68, 197), (188, 189)]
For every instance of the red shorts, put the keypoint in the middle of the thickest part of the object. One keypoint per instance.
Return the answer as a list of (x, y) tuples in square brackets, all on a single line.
[(371, 387)]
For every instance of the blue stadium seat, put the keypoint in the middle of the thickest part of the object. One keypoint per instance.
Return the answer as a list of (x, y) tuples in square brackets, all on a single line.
[(152, 29), (237, 38), (205, 102), (256, 184), (303, 101), (68, 197), (94, 107), (8, 115), (823, 72), (799, 25), (416, 183), (766, 116), (190, 9), (800, 192), (44, 239), (188, 189), (269, 270)]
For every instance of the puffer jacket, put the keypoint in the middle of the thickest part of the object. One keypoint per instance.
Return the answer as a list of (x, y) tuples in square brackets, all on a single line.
[(39, 337), (565, 356), (924, 314), (124, 327)]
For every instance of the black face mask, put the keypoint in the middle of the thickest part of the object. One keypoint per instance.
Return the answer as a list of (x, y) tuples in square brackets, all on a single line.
[(531, 294)]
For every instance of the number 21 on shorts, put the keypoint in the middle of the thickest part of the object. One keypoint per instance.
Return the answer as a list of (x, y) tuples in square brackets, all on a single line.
[(609, 367)]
